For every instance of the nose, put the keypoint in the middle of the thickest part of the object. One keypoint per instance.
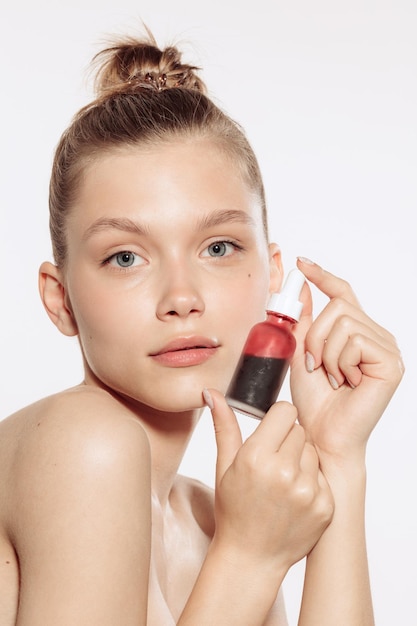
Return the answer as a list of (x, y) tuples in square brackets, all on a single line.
[(179, 294)]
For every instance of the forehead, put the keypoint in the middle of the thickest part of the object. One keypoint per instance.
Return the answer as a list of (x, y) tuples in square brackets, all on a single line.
[(179, 178)]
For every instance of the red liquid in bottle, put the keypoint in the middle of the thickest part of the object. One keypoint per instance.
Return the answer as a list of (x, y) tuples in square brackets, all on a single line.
[(267, 352), (263, 365)]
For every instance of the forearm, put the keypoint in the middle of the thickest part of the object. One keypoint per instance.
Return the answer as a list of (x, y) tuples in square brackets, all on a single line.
[(337, 589), (232, 589)]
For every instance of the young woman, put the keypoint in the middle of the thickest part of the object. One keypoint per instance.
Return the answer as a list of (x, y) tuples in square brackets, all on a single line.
[(162, 266)]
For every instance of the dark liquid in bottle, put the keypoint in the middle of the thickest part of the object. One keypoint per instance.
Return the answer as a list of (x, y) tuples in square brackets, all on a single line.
[(257, 381)]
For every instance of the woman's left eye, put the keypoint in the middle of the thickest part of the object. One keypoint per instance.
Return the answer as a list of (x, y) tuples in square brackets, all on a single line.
[(125, 259), (220, 248)]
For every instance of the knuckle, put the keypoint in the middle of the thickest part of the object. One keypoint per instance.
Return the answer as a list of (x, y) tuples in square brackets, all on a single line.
[(344, 322), (345, 287), (286, 476), (250, 458), (306, 493), (357, 340), (317, 500), (337, 305)]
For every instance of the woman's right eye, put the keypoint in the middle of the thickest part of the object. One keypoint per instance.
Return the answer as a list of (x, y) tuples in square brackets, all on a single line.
[(125, 259)]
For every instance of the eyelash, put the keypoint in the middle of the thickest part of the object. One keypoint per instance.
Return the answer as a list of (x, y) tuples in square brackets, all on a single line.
[(230, 242), (108, 260)]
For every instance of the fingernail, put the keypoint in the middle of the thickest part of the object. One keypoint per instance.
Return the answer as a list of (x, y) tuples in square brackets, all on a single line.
[(304, 259), (333, 381), (208, 399), (310, 363)]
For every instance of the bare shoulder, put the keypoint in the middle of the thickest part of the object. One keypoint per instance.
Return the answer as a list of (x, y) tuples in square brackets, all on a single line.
[(76, 508), (81, 410), (85, 397), (69, 437), (200, 499)]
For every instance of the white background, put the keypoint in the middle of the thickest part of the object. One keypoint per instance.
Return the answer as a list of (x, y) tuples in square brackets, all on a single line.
[(327, 93)]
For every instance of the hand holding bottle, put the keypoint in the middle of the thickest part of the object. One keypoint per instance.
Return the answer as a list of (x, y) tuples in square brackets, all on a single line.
[(272, 502)]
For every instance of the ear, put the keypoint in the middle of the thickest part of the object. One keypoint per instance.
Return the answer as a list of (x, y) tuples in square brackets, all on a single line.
[(276, 272), (55, 300)]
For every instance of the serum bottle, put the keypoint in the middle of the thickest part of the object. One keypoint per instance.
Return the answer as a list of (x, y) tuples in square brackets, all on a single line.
[(266, 354)]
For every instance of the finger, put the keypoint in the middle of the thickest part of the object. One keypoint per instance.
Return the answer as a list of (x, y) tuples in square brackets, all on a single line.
[(274, 427), (335, 323), (334, 357), (362, 356), (331, 285), (309, 461), (291, 451), (226, 429), (301, 329)]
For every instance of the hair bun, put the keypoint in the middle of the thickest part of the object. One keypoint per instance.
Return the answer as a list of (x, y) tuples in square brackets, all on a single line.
[(132, 64)]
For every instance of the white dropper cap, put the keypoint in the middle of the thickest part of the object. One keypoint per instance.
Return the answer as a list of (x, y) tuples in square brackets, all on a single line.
[(287, 301)]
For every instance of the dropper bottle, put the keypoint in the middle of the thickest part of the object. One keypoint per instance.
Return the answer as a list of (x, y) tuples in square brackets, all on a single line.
[(266, 355)]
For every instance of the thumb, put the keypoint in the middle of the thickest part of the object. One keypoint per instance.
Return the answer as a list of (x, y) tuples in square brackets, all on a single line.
[(226, 429)]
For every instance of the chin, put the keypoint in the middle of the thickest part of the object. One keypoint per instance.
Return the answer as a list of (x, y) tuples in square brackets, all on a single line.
[(179, 403), (175, 391), (184, 397)]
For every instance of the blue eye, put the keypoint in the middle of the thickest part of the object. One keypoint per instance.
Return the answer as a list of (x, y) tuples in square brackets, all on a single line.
[(221, 248), (125, 259), (217, 249)]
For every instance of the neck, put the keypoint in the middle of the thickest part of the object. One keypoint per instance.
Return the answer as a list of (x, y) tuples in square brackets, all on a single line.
[(169, 435)]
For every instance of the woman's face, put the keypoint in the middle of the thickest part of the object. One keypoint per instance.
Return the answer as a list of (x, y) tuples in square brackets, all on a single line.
[(167, 270)]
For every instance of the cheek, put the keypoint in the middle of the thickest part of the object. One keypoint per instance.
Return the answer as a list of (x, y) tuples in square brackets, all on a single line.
[(112, 337), (242, 306), (102, 321), (247, 296)]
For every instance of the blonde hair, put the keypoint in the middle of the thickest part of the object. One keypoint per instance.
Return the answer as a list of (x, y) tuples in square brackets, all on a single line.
[(144, 96)]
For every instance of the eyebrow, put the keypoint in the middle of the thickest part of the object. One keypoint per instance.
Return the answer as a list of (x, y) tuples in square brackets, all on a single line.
[(127, 225), (223, 217), (118, 223)]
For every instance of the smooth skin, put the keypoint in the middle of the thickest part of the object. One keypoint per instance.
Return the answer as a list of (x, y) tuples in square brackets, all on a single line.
[(364, 365), (96, 526)]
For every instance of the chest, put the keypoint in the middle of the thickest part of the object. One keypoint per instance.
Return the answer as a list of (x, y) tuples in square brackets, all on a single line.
[(179, 547)]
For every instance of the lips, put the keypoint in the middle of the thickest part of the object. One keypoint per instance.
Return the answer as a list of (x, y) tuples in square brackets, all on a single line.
[(186, 351)]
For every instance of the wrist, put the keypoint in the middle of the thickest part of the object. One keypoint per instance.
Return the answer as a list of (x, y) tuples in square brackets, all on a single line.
[(262, 573), (240, 554), (342, 465), (232, 587), (348, 487)]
